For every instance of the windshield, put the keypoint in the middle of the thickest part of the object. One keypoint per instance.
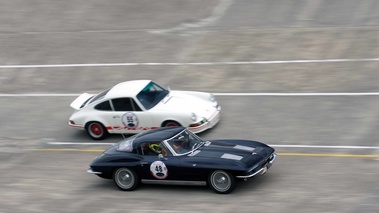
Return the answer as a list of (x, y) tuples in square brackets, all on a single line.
[(151, 95), (185, 142)]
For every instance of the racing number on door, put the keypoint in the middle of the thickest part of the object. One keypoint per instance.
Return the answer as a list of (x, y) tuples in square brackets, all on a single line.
[(159, 170)]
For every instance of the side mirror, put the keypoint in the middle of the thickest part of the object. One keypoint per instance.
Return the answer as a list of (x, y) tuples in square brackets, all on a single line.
[(160, 156)]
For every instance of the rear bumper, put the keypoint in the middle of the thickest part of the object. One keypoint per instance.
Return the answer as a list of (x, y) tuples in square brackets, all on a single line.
[(91, 171), (262, 170), (76, 125)]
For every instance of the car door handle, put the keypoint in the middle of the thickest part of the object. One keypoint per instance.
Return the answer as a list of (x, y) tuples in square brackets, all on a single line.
[(116, 116)]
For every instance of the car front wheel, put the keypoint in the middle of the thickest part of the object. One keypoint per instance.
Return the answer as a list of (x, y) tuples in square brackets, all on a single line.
[(222, 182), (125, 179), (96, 130)]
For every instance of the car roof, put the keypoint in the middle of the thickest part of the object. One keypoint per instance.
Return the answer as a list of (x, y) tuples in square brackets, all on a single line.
[(127, 89), (158, 135)]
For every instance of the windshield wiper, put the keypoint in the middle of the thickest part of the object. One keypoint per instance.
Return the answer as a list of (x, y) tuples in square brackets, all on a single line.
[(197, 145)]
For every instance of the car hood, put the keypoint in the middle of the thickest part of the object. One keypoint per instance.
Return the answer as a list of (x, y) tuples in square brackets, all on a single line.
[(244, 151), (179, 101)]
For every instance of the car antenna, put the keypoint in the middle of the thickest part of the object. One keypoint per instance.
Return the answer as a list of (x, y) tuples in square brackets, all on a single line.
[(123, 135), (120, 128)]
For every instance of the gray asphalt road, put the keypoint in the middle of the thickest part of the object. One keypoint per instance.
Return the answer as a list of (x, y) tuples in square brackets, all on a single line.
[(107, 42)]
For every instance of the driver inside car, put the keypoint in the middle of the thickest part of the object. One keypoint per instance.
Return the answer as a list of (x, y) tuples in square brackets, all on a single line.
[(155, 148), (180, 146)]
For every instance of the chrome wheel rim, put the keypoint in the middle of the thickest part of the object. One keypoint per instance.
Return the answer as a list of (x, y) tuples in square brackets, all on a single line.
[(124, 178), (220, 181)]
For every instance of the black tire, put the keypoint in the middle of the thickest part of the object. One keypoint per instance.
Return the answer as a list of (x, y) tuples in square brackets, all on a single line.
[(170, 124), (96, 130), (125, 179), (222, 182)]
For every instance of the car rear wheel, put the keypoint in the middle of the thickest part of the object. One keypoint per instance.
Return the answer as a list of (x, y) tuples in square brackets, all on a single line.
[(125, 179), (222, 182), (96, 130), (170, 124)]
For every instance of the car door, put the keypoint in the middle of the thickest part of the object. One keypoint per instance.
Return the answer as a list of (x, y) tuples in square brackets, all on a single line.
[(127, 116), (155, 168)]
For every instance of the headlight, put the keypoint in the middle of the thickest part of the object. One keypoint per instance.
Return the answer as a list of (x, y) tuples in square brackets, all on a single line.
[(212, 98), (193, 116)]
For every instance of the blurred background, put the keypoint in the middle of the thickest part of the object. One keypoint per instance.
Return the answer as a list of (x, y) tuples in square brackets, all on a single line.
[(254, 55)]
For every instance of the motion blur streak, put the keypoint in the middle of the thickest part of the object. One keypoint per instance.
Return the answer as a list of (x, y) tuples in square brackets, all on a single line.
[(217, 94), (292, 154), (190, 63), (327, 155)]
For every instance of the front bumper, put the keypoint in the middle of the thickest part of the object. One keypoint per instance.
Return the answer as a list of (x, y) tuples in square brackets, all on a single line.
[(263, 168), (210, 123)]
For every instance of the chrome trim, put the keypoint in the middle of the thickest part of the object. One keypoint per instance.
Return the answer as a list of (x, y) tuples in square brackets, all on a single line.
[(254, 174), (174, 182), (262, 170), (93, 172), (274, 155)]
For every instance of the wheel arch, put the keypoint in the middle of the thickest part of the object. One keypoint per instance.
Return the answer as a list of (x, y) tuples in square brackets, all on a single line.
[(171, 120)]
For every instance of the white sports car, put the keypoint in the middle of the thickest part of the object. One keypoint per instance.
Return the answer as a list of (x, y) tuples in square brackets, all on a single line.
[(134, 106)]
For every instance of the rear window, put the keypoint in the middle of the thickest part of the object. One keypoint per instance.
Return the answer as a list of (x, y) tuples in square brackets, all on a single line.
[(100, 96), (126, 145)]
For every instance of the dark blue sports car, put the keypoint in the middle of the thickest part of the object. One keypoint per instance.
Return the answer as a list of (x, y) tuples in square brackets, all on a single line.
[(175, 155)]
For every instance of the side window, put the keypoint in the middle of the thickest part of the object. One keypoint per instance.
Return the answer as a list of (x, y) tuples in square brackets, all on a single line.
[(154, 149), (122, 104), (104, 106), (135, 105), (150, 148)]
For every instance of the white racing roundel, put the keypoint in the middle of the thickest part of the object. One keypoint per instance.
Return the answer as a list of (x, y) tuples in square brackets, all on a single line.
[(130, 120), (159, 170)]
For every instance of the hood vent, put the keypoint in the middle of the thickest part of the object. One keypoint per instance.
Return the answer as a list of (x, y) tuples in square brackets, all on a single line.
[(231, 156)]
